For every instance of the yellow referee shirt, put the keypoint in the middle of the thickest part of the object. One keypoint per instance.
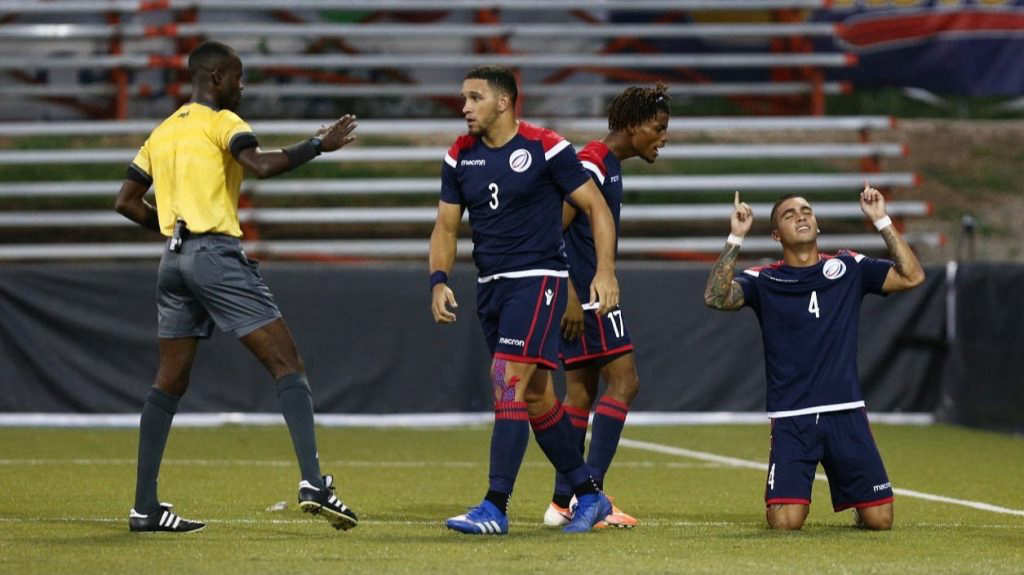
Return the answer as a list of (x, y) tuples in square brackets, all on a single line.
[(188, 159)]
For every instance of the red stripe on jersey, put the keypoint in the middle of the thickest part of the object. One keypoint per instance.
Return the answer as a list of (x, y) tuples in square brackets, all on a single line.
[(595, 153), (548, 138), (463, 142), (767, 267), (536, 312)]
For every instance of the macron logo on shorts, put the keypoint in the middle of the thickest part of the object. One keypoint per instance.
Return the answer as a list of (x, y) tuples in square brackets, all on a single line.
[(548, 295), (510, 341), (882, 487)]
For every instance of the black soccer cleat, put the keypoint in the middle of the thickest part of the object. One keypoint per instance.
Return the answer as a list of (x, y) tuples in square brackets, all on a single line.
[(162, 519), (325, 502)]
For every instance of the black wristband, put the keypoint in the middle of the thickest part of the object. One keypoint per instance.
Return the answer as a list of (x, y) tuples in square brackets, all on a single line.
[(438, 277), (301, 153)]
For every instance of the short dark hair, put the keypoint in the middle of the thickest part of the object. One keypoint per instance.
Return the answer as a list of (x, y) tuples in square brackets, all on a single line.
[(498, 77), (209, 56), (636, 105), (778, 202)]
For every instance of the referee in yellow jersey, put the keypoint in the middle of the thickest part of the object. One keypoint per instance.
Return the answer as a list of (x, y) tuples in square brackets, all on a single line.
[(195, 160)]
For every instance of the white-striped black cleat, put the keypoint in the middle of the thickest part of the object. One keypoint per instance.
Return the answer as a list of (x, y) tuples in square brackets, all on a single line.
[(162, 519), (324, 502)]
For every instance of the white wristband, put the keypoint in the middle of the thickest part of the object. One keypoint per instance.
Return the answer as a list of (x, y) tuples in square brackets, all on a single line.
[(734, 240), (882, 222)]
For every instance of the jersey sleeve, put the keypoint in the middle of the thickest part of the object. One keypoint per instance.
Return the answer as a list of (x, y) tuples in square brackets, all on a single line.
[(451, 191), (233, 133), (748, 282), (141, 168), (873, 272), (566, 169)]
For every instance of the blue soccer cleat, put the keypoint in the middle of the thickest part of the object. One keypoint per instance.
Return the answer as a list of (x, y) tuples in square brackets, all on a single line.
[(590, 509), (484, 519)]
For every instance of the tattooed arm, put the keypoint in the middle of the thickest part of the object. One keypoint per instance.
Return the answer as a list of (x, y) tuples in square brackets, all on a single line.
[(906, 271), (722, 292)]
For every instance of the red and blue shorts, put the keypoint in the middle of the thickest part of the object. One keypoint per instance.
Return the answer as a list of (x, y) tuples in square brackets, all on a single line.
[(843, 443), (521, 317)]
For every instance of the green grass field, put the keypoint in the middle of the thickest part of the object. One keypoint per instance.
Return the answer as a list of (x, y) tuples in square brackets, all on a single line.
[(65, 495)]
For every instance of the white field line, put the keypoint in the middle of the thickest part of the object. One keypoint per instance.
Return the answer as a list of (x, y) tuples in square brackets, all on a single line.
[(439, 522), (763, 467), (131, 420), (337, 463)]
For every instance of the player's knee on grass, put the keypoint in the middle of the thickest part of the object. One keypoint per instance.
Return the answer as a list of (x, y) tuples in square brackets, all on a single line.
[(878, 518), (786, 517)]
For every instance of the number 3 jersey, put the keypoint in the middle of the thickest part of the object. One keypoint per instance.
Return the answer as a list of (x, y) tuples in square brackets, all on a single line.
[(514, 196), (809, 318)]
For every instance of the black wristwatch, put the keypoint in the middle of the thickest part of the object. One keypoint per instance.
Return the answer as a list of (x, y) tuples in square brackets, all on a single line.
[(318, 144)]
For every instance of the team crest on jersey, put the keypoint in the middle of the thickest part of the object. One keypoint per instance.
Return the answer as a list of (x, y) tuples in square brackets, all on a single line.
[(520, 160), (834, 269)]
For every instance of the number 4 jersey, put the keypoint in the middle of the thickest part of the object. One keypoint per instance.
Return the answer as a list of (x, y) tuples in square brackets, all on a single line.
[(809, 318), (514, 196)]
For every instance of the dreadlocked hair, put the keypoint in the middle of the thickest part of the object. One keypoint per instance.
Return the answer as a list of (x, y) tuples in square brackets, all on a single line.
[(637, 105)]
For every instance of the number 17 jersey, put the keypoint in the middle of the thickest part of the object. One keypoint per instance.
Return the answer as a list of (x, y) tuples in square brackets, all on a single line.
[(809, 322)]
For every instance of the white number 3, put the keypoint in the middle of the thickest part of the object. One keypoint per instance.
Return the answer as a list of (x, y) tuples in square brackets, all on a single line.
[(813, 306), (494, 195)]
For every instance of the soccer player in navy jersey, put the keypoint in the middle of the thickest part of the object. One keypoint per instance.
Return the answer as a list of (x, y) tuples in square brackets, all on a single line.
[(808, 306), (594, 346), (512, 177)]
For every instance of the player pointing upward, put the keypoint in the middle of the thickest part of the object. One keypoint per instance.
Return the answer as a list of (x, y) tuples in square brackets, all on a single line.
[(808, 306), (512, 177)]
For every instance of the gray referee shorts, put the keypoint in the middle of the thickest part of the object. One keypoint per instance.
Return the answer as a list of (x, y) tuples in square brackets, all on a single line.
[(210, 281)]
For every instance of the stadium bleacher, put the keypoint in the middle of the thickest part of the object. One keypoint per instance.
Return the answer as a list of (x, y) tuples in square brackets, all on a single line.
[(666, 212)]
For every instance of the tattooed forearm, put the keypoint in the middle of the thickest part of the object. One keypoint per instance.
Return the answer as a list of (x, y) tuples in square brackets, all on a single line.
[(904, 260), (721, 292)]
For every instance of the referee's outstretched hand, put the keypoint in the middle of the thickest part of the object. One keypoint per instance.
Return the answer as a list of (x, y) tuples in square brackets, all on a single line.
[(338, 134)]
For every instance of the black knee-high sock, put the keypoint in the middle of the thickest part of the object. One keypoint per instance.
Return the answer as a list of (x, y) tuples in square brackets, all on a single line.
[(297, 407), (154, 426)]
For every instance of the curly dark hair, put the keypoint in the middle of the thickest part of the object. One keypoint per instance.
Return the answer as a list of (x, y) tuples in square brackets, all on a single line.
[(637, 105)]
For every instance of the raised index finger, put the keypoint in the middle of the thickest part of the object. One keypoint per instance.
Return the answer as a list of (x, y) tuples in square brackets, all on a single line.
[(736, 199)]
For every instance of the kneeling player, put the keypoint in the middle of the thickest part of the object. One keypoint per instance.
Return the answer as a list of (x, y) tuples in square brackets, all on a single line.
[(808, 306)]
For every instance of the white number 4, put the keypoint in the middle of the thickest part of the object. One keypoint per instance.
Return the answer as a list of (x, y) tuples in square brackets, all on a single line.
[(771, 477), (813, 306), (494, 195)]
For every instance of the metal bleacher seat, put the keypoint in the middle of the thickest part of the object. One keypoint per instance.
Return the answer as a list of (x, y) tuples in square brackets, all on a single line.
[(387, 230)]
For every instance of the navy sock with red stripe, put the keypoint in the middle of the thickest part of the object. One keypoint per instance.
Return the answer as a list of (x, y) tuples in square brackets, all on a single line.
[(609, 417), (578, 434), (553, 433), (509, 440)]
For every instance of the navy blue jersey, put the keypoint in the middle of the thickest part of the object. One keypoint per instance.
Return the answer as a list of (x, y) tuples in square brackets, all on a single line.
[(514, 196), (809, 319), (605, 169)]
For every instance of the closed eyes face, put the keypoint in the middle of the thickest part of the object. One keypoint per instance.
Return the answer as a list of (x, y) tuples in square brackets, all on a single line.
[(795, 222)]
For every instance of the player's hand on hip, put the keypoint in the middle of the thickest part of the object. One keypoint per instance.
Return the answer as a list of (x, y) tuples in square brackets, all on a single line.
[(742, 217), (442, 297), (605, 290), (338, 134), (572, 319), (872, 203)]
